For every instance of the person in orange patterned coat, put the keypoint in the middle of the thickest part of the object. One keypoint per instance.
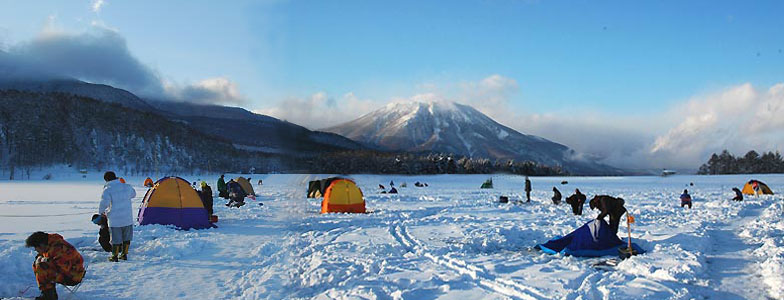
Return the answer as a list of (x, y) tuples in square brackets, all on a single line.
[(57, 262)]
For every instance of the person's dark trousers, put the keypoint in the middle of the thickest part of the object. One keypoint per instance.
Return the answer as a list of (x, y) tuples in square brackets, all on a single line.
[(614, 223)]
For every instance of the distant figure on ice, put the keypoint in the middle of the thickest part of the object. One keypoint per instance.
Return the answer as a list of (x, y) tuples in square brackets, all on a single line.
[(148, 182), (57, 262), (206, 197), (609, 206), (686, 199), (381, 187), (223, 191), (236, 194), (527, 189), (392, 183), (738, 194), (556, 196), (259, 181), (393, 190), (577, 201), (418, 184), (116, 205)]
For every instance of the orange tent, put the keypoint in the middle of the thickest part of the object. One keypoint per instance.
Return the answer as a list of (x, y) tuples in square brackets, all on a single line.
[(343, 195), (754, 187)]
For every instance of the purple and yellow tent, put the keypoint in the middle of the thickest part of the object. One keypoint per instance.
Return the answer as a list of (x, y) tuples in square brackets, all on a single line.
[(172, 201)]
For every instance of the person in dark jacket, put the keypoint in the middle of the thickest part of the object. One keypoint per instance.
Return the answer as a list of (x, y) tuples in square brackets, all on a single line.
[(686, 199), (609, 206), (57, 262), (556, 196), (738, 194), (236, 194), (206, 197), (577, 201), (103, 233), (223, 191), (527, 189)]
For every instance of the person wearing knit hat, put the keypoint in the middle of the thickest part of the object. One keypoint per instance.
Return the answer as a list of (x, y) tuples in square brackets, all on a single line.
[(206, 197)]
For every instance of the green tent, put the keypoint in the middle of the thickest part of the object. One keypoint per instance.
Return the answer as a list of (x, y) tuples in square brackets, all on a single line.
[(488, 184)]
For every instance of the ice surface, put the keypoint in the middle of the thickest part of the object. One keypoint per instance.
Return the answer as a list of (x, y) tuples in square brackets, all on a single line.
[(450, 240)]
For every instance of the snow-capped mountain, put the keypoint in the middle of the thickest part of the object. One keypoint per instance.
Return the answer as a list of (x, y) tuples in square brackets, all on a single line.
[(449, 127)]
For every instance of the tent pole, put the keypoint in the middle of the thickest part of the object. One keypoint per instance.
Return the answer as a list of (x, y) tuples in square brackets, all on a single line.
[(629, 227)]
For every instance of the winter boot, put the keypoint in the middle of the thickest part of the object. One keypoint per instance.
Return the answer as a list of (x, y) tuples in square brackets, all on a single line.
[(115, 251), (50, 294), (125, 247)]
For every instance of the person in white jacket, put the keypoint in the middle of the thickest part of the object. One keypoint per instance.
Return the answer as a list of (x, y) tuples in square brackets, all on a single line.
[(116, 205)]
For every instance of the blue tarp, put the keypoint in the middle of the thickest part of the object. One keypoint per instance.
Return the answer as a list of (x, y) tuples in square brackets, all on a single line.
[(593, 239)]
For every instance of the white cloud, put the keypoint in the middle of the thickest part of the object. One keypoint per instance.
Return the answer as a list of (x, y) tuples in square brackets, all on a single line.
[(319, 110), (97, 5), (739, 119), (97, 55), (218, 90), (101, 55)]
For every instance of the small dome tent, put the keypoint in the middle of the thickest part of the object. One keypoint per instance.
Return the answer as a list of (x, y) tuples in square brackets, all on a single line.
[(246, 186), (340, 195), (172, 201), (761, 188)]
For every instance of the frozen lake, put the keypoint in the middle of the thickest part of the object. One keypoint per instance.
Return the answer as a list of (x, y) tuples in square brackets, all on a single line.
[(450, 240)]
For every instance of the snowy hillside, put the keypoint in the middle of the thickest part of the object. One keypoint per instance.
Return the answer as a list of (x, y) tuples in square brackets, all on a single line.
[(450, 127), (80, 88), (450, 240), (251, 131)]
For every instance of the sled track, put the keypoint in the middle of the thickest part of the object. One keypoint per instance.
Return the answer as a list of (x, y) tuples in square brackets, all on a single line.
[(484, 279)]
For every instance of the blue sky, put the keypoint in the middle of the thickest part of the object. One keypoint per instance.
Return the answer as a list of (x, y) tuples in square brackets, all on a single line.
[(563, 57), (618, 56)]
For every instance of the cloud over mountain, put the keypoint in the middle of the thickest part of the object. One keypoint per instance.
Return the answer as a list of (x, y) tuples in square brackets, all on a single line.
[(740, 118), (101, 55)]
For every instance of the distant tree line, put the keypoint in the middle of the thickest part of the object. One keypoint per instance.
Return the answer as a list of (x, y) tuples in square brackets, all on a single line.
[(752, 162), (38, 130), (363, 161)]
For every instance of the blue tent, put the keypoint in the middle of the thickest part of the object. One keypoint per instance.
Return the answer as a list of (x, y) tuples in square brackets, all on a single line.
[(593, 239)]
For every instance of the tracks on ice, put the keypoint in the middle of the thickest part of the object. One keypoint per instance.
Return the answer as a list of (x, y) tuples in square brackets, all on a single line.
[(484, 279), (730, 260)]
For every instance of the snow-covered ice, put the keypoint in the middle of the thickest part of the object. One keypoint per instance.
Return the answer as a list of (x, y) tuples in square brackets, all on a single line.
[(450, 240)]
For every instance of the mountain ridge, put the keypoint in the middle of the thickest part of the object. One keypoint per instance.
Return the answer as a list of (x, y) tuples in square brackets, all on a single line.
[(450, 127)]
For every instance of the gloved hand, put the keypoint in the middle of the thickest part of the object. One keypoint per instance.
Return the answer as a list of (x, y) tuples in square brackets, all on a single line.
[(41, 259)]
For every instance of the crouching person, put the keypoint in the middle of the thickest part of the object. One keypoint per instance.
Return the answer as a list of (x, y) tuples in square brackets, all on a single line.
[(57, 262), (236, 194)]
